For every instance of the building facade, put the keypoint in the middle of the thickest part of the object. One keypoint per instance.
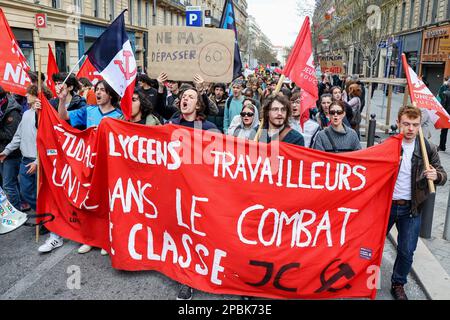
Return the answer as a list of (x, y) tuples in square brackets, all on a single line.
[(74, 25), (412, 27), (256, 40)]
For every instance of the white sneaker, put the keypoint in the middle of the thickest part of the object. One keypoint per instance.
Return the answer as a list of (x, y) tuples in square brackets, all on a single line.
[(84, 248), (50, 244), (104, 252)]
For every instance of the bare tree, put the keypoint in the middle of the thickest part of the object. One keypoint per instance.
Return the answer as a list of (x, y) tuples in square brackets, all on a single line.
[(287, 52), (365, 25), (306, 8), (373, 29), (264, 55)]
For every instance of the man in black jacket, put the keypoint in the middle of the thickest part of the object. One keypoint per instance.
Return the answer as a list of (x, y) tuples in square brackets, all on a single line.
[(410, 193), (10, 116), (74, 100), (219, 96)]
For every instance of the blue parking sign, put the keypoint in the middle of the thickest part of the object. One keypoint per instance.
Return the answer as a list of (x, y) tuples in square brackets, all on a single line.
[(194, 16)]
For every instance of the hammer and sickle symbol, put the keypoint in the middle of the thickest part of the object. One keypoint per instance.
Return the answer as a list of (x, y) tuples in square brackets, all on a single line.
[(344, 271)]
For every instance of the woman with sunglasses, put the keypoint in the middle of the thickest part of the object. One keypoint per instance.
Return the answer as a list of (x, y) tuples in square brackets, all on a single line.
[(245, 125), (337, 137), (338, 96)]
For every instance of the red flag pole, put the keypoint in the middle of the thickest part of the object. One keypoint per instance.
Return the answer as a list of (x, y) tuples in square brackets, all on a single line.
[(426, 161), (38, 115), (423, 149), (73, 68)]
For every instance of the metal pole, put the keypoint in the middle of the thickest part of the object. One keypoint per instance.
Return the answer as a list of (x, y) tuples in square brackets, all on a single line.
[(73, 68), (369, 102), (428, 206), (447, 221), (371, 130), (154, 12), (427, 216), (387, 76), (388, 110)]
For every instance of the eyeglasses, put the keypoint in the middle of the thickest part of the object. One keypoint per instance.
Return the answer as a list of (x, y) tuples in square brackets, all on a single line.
[(276, 110), (296, 101), (338, 112), (247, 114)]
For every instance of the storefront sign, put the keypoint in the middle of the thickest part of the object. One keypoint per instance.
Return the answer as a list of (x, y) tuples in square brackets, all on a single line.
[(437, 33), (444, 45)]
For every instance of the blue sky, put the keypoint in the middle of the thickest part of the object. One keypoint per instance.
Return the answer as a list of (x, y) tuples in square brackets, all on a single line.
[(279, 20)]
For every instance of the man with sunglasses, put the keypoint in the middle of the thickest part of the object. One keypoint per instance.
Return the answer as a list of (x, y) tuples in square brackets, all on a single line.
[(337, 137), (276, 114), (410, 192)]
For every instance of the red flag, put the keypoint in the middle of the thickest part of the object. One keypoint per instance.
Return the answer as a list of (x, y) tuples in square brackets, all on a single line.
[(13, 64), (300, 69), (422, 97), (87, 70), (112, 55), (52, 68)]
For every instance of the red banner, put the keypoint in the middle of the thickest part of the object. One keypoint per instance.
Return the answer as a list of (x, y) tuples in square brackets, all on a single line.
[(422, 97), (218, 213), (13, 64)]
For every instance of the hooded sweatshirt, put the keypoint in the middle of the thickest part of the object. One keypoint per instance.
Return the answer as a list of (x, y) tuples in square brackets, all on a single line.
[(10, 116), (238, 129)]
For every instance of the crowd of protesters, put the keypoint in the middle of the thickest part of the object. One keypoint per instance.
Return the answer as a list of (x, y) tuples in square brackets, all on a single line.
[(247, 108)]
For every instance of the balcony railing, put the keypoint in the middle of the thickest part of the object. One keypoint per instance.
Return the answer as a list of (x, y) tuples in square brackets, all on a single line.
[(174, 4)]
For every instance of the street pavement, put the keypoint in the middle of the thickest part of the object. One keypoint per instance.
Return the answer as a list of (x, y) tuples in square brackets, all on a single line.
[(27, 274)]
